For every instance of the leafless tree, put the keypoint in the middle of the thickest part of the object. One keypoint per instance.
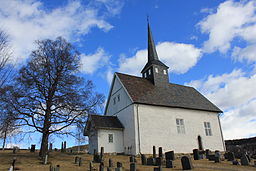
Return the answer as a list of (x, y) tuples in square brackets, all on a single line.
[(5, 54), (49, 96)]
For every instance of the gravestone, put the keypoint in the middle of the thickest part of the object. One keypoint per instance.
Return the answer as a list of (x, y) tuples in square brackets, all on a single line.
[(169, 164), (76, 160), (158, 161), (110, 163), (154, 151), (132, 159), (101, 153), (196, 154), (62, 147), (143, 159), (160, 152), (158, 168), (101, 166), (244, 160), (65, 146), (132, 166), (207, 152), (46, 159), (50, 147), (235, 162), (217, 157), (33, 148), (80, 161), (230, 156), (119, 164), (169, 155), (109, 169), (13, 163), (186, 163), (211, 157), (118, 169), (151, 161), (91, 166), (96, 158)]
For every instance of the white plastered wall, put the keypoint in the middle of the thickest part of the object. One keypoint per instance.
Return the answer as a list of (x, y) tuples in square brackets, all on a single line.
[(157, 126), (103, 141)]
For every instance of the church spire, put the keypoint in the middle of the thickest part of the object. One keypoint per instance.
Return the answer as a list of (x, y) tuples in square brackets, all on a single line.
[(152, 54), (154, 70)]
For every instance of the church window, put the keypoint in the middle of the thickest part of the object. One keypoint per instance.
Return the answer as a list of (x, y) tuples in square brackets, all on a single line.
[(110, 138), (156, 69), (118, 97), (180, 126), (207, 128), (165, 72), (149, 72), (114, 100)]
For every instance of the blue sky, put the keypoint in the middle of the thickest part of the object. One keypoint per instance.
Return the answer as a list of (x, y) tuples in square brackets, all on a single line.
[(210, 45)]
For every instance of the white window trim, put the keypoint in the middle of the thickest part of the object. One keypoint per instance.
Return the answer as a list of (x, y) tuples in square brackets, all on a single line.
[(165, 72), (110, 140), (207, 129), (156, 69), (180, 126)]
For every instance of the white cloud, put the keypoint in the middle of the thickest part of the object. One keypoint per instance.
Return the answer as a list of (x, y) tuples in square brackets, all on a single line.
[(232, 19), (92, 62), (233, 93), (178, 56), (28, 20), (245, 54)]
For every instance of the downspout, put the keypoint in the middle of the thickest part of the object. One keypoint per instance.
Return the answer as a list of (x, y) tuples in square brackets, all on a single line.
[(138, 125), (223, 142)]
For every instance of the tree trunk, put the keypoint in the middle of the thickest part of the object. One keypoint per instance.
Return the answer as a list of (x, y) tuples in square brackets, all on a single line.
[(44, 145), (5, 135)]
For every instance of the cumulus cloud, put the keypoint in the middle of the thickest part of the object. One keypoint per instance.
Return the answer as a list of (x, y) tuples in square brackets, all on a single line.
[(92, 62), (28, 20), (233, 93), (178, 56), (231, 20)]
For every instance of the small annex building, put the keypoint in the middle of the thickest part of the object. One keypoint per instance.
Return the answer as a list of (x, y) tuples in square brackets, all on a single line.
[(147, 111)]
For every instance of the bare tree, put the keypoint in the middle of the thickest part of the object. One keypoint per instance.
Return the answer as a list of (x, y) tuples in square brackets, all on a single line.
[(5, 54), (49, 96)]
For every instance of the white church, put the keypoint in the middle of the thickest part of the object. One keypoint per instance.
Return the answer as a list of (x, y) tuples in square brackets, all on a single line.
[(147, 111)]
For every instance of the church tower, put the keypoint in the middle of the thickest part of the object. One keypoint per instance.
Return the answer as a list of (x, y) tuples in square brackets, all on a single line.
[(155, 70)]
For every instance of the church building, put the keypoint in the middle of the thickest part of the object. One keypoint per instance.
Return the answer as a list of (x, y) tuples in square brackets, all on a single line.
[(142, 112)]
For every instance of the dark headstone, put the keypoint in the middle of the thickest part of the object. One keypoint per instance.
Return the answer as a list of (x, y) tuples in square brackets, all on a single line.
[(244, 160), (158, 161), (33, 148), (217, 157), (230, 156), (169, 155), (132, 159), (13, 163), (143, 159), (57, 168), (101, 152), (186, 163), (101, 166), (119, 164), (160, 152), (158, 168), (110, 163), (96, 158), (207, 152), (80, 161), (196, 154), (235, 162), (169, 164), (248, 157), (211, 157), (133, 167), (65, 146), (109, 169), (62, 147), (154, 151), (151, 161), (50, 147), (76, 160), (90, 166)]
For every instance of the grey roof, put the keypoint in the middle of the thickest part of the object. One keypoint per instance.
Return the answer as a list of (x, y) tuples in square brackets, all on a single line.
[(100, 121), (143, 91)]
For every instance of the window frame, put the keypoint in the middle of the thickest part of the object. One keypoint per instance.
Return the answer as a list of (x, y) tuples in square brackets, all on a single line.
[(180, 124), (207, 129), (110, 138)]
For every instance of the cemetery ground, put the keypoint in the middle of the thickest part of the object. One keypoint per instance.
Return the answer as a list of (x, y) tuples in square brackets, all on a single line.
[(29, 161)]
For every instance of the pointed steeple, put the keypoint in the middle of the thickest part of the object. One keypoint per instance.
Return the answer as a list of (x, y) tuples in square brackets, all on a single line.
[(154, 70), (152, 54)]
